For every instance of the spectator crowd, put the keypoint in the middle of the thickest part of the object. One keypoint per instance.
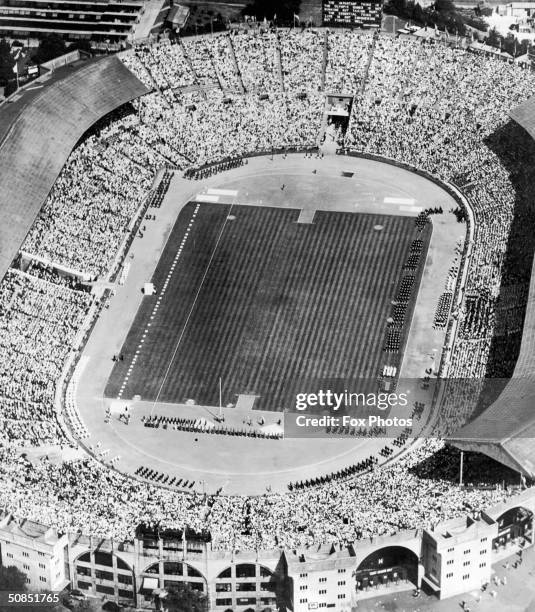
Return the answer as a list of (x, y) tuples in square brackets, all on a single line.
[(435, 107)]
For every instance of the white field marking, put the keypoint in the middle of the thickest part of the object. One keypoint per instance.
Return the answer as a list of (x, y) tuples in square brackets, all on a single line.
[(223, 192), (156, 306), (204, 197), (220, 235), (413, 209), (399, 200)]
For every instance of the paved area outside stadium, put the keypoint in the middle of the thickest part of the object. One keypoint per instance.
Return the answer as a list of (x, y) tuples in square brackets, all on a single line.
[(515, 594), (244, 465)]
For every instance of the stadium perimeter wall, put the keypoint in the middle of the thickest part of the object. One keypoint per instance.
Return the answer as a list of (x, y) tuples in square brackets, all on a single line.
[(506, 429), (41, 137)]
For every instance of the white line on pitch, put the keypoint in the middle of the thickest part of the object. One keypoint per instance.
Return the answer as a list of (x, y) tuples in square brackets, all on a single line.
[(409, 201), (191, 309)]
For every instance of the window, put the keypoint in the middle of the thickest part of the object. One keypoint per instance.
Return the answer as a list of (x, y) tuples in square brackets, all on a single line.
[(223, 588), (10, 555), (41, 554), (322, 591), (323, 579), (223, 602), (27, 581), (246, 586), (305, 600), (482, 565), (103, 558), (126, 594), (245, 570), (173, 569), (466, 563), (192, 572), (449, 562), (466, 552), (100, 588), (483, 552), (303, 587), (449, 575), (124, 579), (303, 576), (25, 554), (267, 586), (25, 566), (246, 601), (42, 578), (341, 571), (121, 564), (341, 582), (466, 576), (451, 549), (341, 596), (483, 540), (42, 565), (102, 575)]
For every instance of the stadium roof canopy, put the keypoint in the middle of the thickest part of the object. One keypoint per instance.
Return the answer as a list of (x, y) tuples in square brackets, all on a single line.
[(39, 130), (506, 429), (524, 115)]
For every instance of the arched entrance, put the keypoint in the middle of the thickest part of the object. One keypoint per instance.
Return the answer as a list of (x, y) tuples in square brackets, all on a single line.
[(246, 585), (104, 574), (170, 575), (387, 566), (514, 525)]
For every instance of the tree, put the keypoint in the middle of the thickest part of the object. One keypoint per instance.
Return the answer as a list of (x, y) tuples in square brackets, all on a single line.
[(6, 62), (444, 6), (284, 9), (418, 14), (494, 39), (50, 47), (89, 605), (12, 579), (185, 599), (82, 45)]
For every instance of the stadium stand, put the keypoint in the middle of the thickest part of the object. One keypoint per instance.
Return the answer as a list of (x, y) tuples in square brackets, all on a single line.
[(42, 136), (506, 429), (436, 108)]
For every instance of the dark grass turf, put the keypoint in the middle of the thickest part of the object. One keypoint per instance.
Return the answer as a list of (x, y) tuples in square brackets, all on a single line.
[(283, 307)]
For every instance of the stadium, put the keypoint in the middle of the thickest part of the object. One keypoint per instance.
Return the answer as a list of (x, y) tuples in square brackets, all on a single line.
[(198, 231)]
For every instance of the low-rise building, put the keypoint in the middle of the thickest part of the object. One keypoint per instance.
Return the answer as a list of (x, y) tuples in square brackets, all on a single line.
[(458, 555), (38, 551)]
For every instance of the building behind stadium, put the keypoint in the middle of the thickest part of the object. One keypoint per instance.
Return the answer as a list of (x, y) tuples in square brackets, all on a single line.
[(451, 558)]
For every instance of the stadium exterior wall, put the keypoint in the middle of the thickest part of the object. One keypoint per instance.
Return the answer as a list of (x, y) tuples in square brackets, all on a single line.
[(129, 572)]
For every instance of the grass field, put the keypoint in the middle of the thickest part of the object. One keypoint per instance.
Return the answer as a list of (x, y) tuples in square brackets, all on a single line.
[(272, 306)]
